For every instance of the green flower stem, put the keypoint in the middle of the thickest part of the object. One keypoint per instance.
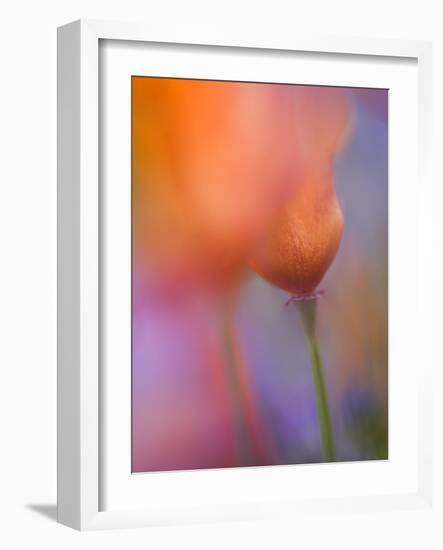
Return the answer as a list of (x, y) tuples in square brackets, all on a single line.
[(308, 310)]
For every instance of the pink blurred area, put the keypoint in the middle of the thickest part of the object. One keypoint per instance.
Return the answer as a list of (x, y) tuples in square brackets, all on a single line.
[(180, 416), (183, 418)]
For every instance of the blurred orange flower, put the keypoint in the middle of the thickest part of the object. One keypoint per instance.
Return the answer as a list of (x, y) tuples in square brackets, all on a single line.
[(214, 162)]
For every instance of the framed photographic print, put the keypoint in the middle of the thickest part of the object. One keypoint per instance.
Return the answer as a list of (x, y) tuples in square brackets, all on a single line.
[(242, 276)]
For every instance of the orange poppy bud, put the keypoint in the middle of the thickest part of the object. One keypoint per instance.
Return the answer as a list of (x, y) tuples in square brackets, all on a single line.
[(303, 239)]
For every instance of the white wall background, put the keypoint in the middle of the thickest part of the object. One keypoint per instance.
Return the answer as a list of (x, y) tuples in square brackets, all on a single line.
[(28, 265)]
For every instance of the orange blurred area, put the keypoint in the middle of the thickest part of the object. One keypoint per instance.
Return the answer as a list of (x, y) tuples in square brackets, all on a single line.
[(213, 163)]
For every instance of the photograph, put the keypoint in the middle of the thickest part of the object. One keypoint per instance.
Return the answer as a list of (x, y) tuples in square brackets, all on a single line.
[(259, 274)]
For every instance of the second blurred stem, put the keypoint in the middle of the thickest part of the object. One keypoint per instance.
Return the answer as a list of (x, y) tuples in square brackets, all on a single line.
[(308, 312), (234, 382)]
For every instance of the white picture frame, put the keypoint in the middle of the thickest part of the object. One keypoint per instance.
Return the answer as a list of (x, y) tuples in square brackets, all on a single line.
[(81, 441)]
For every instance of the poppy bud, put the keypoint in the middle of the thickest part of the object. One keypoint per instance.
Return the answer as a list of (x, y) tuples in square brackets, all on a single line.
[(303, 239)]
